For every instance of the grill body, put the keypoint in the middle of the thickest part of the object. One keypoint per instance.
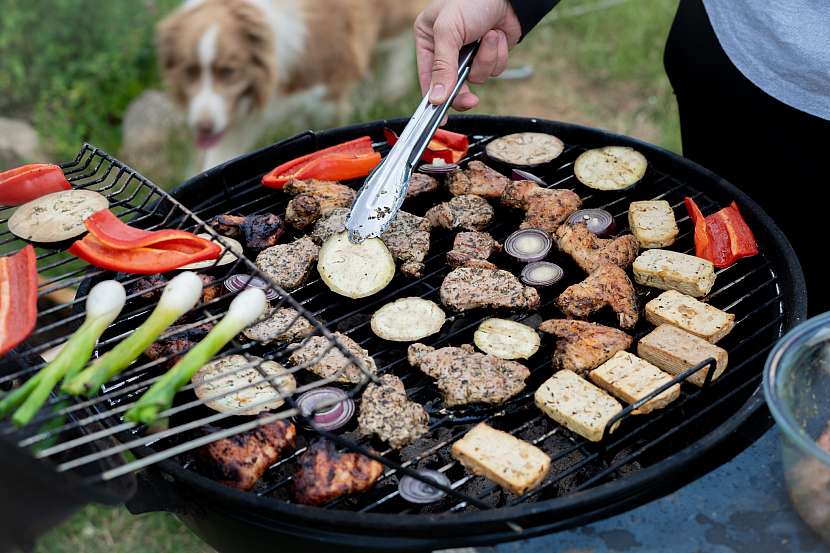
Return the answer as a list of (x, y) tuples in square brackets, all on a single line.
[(689, 440)]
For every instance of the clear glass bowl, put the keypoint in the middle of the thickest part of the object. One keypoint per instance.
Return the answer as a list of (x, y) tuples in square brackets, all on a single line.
[(797, 389)]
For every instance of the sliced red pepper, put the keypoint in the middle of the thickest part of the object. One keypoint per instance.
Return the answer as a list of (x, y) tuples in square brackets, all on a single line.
[(114, 233), (18, 297), (357, 148), (722, 237), (29, 182), (451, 147), (339, 167), (147, 260)]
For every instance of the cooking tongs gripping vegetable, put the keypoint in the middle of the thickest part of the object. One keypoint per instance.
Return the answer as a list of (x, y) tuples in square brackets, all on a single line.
[(380, 198)]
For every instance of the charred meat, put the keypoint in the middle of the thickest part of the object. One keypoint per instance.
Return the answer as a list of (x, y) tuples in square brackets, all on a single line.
[(544, 208), (321, 357), (472, 249), (590, 251), (472, 287), (324, 474), (478, 179), (257, 232), (313, 199), (151, 287), (467, 212), (419, 184), (239, 461), (464, 376), (582, 346), (387, 412), (607, 286), (281, 325), (177, 341), (289, 265)]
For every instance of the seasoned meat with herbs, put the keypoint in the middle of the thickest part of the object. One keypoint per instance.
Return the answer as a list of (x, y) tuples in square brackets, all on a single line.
[(313, 199), (419, 184), (151, 287), (281, 325), (607, 286), (176, 341), (582, 346), (467, 212), (239, 461), (407, 237), (324, 359), (468, 288), (478, 179), (289, 265), (465, 376), (472, 249), (257, 232), (545, 208), (387, 412), (324, 474), (590, 252)]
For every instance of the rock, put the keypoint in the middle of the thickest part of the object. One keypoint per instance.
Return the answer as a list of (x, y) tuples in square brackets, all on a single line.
[(155, 139), (19, 144)]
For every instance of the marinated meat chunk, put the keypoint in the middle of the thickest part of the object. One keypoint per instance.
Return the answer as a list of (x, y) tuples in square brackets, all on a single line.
[(313, 199), (472, 249), (478, 179), (607, 286), (279, 325), (419, 184), (545, 208), (464, 376), (289, 265), (333, 222), (590, 251), (582, 346), (151, 287), (386, 411), (258, 231), (467, 212), (324, 474), (239, 461), (321, 357), (472, 287), (177, 340)]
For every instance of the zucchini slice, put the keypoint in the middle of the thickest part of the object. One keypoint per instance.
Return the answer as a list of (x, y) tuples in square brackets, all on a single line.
[(408, 320), (525, 149), (355, 270), (611, 168), (56, 217), (506, 339)]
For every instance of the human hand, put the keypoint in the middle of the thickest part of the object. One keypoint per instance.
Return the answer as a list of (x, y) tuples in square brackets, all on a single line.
[(447, 25)]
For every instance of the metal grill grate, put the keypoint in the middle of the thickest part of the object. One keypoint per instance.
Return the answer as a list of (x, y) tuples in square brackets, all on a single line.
[(749, 289)]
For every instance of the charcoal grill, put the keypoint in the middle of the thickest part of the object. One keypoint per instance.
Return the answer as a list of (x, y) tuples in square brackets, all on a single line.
[(648, 456)]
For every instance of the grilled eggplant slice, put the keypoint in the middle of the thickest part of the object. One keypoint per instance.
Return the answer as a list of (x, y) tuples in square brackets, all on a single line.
[(56, 217), (525, 149), (506, 339), (612, 168), (408, 320), (355, 270)]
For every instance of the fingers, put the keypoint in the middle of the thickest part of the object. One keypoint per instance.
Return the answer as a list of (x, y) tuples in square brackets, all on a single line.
[(465, 100), (485, 62), (503, 54), (448, 42)]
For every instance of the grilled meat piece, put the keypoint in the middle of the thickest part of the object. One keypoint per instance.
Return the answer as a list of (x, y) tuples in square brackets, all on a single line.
[(239, 461), (281, 325), (385, 410), (607, 286), (420, 184), (472, 249), (313, 199), (544, 208), (325, 360), (468, 212), (407, 237), (465, 376), (257, 232), (289, 265), (471, 287), (582, 346), (478, 179), (324, 474), (589, 251), (211, 289), (176, 342)]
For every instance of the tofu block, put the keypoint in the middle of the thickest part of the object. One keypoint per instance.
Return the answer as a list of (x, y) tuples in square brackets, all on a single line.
[(668, 270), (630, 378), (652, 223), (508, 461), (676, 351), (577, 404), (687, 313)]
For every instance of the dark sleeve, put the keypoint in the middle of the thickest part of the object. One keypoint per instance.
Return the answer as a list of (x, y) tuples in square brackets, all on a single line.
[(531, 12)]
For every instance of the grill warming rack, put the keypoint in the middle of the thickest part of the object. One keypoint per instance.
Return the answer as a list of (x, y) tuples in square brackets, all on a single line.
[(76, 435)]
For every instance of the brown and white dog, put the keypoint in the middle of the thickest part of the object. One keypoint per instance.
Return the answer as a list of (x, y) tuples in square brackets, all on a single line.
[(239, 67)]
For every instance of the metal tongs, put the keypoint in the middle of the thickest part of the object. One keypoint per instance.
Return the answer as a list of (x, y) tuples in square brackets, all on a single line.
[(381, 196)]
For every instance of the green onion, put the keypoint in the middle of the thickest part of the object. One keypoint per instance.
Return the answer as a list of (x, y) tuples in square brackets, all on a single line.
[(244, 310), (180, 295), (104, 303)]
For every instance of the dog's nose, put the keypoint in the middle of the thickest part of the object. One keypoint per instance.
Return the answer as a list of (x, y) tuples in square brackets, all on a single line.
[(205, 127)]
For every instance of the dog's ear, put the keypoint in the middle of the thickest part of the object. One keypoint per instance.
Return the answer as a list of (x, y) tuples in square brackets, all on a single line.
[(259, 42)]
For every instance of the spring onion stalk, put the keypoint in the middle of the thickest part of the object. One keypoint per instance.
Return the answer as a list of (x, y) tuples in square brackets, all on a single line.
[(104, 303), (244, 310), (180, 295)]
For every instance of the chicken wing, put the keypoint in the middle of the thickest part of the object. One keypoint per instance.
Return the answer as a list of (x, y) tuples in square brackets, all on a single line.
[(545, 208), (386, 411), (468, 288), (472, 249), (468, 212), (478, 179), (313, 199), (607, 286), (590, 251), (324, 474), (582, 346), (321, 357)]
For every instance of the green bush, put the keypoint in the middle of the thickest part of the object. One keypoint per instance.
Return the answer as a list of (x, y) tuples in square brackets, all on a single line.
[(72, 66)]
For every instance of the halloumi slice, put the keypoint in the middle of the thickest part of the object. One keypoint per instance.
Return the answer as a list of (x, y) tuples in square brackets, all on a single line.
[(689, 314), (669, 270), (577, 404), (652, 223), (675, 351), (630, 378)]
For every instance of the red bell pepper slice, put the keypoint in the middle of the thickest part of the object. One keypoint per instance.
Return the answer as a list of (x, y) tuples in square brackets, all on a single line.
[(146, 260), (451, 147), (116, 234), (29, 182), (722, 237), (349, 159), (18, 297)]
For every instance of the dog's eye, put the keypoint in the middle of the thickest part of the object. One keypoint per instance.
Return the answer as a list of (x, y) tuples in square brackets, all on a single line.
[(225, 73), (192, 72)]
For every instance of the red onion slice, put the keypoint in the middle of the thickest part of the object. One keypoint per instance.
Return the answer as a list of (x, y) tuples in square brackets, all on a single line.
[(528, 244), (438, 168), (518, 174), (415, 491), (335, 409), (598, 221), (237, 283), (541, 274)]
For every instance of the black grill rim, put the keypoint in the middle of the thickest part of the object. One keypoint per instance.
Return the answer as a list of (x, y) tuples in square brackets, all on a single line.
[(500, 524)]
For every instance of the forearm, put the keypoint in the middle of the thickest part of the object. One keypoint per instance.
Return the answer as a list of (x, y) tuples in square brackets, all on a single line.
[(531, 12)]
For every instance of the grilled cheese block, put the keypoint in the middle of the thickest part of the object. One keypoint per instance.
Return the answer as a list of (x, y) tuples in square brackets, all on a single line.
[(652, 223), (669, 270), (577, 404), (675, 351), (693, 316), (630, 378)]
